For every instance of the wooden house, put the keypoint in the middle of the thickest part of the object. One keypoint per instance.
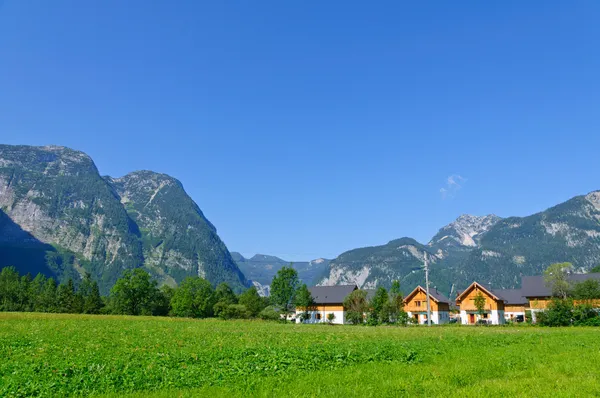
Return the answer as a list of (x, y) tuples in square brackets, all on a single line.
[(515, 304), (539, 294), (493, 309), (328, 300), (415, 304)]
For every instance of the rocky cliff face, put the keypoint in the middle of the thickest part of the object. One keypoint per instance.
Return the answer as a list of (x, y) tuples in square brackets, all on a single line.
[(59, 216), (56, 195), (464, 233), (178, 240), (369, 267)]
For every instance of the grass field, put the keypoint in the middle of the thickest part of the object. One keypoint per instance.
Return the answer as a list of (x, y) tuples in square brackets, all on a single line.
[(65, 355)]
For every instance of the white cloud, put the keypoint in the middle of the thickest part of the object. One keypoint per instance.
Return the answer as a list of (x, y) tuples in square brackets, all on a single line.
[(453, 184)]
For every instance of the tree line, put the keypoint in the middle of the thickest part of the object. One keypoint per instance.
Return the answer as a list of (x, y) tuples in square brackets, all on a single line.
[(137, 293)]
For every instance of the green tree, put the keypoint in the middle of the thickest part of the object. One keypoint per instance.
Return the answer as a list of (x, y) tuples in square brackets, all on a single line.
[(356, 306), (9, 289), (224, 297), (134, 293), (479, 302), (305, 300), (163, 302), (48, 298), (24, 302), (586, 290), (556, 278), (594, 270), (194, 298), (379, 306), (252, 301), (283, 288), (65, 297), (90, 294), (77, 307), (36, 289), (395, 308), (224, 294)]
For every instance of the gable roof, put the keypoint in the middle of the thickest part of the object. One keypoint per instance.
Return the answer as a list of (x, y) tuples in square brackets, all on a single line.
[(433, 293), (487, 290), (331, 294), (511, 296), (535, 286)]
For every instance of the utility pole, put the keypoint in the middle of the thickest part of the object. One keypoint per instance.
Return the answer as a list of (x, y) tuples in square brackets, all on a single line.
[(427, 289)]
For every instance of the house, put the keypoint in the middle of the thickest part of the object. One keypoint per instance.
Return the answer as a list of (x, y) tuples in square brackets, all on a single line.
[(515, 304), (539, 295), (493, 307), (415, 305), (328, 300)]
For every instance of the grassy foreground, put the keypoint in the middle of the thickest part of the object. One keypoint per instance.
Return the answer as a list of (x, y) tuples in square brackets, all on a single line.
[(65, 355)]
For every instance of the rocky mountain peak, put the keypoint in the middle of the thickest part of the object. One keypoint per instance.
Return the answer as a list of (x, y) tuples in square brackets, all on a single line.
[(147, 178), (594, 199), (48, 160), (465, 230)]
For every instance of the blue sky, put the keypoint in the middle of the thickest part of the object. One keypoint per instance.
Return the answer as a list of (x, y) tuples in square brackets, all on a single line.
[(304, 129)]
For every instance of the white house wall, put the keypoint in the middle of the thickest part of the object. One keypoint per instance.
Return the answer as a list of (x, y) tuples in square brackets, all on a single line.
[(340, 317), (495, 317), (437, 317)]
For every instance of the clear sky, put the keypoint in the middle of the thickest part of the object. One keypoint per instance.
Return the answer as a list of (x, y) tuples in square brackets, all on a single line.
[(307, 128)]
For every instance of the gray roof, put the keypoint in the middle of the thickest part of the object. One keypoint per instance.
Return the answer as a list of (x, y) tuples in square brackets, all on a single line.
[(535, 286), (433, 292), (331, 294), (511, 296)]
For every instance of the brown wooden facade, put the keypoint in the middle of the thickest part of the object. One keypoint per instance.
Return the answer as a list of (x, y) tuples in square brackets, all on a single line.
[(417, 302)]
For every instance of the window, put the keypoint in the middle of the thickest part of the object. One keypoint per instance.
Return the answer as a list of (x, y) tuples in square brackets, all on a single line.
[(318, 316), (417, 303), (485, 316)]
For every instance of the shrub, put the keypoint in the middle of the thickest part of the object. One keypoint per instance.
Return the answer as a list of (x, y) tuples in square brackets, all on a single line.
[(559, 313), (585, 315), (354, 317), (403, 318), (269, 314), (373, 319), (234, 311)]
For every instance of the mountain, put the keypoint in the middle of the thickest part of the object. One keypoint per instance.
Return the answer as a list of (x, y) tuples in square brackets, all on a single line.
[(464, 233), (261, 269), (60, 217), (519, 246), (489, 249), (400, 259), (177, 239)]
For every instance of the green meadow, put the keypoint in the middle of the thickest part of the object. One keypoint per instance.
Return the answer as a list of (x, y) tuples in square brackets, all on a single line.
[(83, 355)]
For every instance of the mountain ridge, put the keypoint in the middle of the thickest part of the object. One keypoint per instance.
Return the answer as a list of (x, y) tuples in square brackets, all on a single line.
[(88, 223), (487, 248)]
